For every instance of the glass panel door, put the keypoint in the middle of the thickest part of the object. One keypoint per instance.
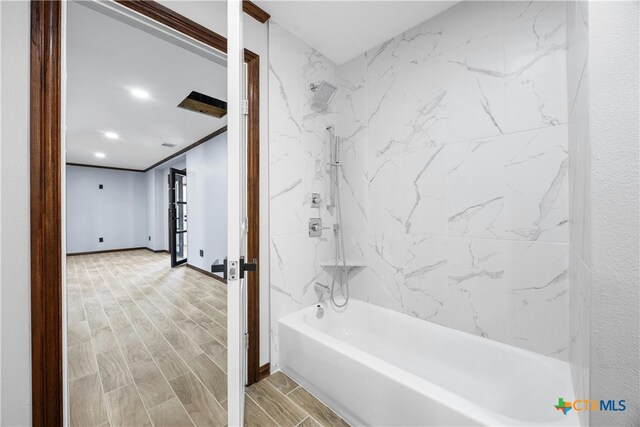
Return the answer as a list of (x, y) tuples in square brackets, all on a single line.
[(178, 216)]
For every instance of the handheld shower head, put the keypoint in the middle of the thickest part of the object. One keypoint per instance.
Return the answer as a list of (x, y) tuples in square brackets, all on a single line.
[(322, 94)]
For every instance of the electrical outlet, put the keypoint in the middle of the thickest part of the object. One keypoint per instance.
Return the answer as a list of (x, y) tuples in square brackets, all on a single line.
[(100, 239), (201, 252)]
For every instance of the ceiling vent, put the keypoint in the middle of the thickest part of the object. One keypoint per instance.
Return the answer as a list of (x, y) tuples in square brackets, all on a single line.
[(169, 145), (204, 104)]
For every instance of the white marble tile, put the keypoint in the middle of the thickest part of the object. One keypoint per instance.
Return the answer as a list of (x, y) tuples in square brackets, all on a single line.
[(425, 291), (353, 118), (454, 171), (476, 270), (579, 325), (579, 166), (406, 273), (285, 65), (577, 47), (516, 11), (422, 43), (537, 300), (579, 200), (425, 104), (383, 176), (535, 71), (475, 89), (476, 188), (386, 257), (354, 196), (424, 192), (467, 21), (536, 197)]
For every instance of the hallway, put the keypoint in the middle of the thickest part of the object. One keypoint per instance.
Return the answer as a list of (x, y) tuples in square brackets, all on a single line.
[(147, 346), (146, 343)]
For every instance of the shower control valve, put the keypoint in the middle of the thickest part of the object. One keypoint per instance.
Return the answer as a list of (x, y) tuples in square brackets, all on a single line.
[(316, 200), (315, 227)]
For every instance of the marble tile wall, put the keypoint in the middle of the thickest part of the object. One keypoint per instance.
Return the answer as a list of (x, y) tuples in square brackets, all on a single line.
[(456, 161), (298, 155), (579, 198), (455, 172)]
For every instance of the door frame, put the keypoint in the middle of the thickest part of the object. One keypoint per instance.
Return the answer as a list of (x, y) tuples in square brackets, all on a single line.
[(46, 165), (173, 217)]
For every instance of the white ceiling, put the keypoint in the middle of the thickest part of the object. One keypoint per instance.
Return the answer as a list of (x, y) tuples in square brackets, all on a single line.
[(106, 58), (342, 30)]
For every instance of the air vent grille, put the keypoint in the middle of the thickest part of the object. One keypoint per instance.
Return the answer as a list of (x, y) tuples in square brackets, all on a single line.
[(204, 104)]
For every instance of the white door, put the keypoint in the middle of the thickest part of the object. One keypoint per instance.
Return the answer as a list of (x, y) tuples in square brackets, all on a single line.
[(236, 155)]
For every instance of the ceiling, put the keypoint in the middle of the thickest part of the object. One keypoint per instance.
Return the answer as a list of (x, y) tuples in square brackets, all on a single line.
[(342, 30), (106, 60)]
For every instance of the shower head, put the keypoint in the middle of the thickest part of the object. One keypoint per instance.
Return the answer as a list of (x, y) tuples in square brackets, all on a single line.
[(322, 94)]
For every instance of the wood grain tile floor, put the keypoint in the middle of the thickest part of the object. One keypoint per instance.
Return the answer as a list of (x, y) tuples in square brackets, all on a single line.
[(147, 346)]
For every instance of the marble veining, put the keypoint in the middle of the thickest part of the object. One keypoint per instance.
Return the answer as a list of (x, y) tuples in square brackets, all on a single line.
[(455, 172)]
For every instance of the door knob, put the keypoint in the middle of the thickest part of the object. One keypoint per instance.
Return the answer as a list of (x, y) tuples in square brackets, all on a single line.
[(220, 268)]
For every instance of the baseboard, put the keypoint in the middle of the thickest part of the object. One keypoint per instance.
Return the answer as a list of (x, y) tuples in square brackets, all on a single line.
[(159, 251), (207, 273), (264, 371), (106, 251)]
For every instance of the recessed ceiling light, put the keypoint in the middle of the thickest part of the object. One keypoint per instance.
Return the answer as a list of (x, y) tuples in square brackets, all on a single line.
[(100, 155), (111, 135), (139, 93)]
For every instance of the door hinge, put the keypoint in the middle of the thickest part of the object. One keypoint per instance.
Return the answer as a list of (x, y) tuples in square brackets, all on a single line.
[(246, 340), (245, 225), (245, 107)]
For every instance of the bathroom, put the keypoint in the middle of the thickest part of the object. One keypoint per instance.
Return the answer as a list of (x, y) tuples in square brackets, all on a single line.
[(401, 213), (445, 184)]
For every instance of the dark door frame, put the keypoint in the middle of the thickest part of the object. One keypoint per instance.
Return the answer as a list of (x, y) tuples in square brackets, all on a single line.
[(173, 216), (46, 196)]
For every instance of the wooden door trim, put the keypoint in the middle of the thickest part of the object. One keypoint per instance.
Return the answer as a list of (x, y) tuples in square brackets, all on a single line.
[(255, 11), (46, 197), (46, 214)]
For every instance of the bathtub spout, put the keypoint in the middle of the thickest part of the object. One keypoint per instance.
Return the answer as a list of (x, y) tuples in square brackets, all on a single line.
[(320, 289)]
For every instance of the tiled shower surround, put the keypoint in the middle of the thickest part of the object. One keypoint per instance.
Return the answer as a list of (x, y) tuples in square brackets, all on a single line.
[(455, 165), (579, 198)]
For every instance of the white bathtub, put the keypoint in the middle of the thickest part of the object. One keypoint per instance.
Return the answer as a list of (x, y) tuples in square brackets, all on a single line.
[(377, 367)]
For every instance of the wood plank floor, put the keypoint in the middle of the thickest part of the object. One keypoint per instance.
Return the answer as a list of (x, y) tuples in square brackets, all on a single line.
[(147, 346)]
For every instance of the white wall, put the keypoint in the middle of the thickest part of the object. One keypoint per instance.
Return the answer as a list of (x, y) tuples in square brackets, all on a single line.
[(615, 213), (117, 213), (207, 202), (15, 324)]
